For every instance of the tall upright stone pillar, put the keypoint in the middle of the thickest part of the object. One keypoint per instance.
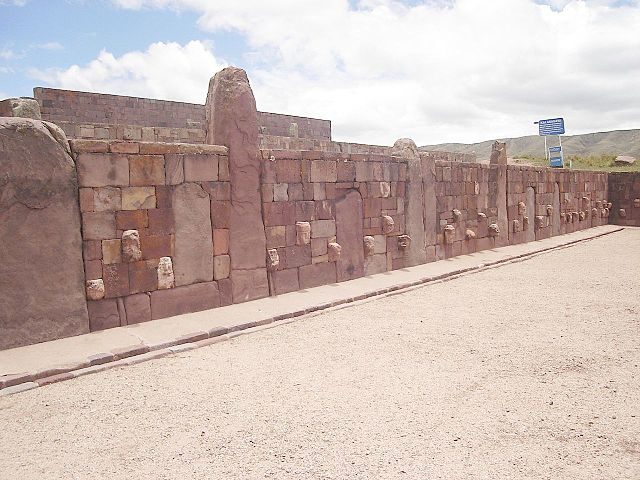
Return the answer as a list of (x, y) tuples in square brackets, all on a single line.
[(232, 120), (498, 194), (428, 165), (414, 218)]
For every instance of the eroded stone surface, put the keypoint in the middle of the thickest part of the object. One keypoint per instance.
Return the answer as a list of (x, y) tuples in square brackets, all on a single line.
[(522, 208), (273, 259), (333, 251), (387, 224), (369, 244), (404, 242), (40, 244), (457, 215), (166, 278), (494, 230), (95, 289), (303, 233), (131, 251), (449, 234), (470, 234)]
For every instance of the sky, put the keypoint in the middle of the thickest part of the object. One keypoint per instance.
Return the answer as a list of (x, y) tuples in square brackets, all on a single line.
[(433, 70)]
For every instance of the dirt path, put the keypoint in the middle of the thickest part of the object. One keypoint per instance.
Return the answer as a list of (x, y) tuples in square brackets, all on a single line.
[(529, 370)]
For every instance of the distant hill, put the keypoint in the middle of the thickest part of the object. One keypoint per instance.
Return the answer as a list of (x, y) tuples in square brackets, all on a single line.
[(617, 142)]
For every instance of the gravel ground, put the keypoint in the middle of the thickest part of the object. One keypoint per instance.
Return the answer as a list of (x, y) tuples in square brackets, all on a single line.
[(529, 370)]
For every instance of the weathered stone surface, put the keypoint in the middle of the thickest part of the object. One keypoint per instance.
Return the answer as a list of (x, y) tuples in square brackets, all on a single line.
[(273, 258), (404, 242), (106, 199), (103, 314), (232, 120), (23, 107), (334, 250), (40, 244), (323, 228), (249, 284), (136, 198), (111, 251), (98, 225), (315, 275), (165, 274), (303, 233), (387, 224), (284, 281), (221, 267), (498, 153), (143, 276), (185, 299), (137, 308), (624, 160), (449, 234), (146, 170), (193, 256), (102, 170), (95, 289), (131, 251), (470, 234), (368, 245), (200, 168)]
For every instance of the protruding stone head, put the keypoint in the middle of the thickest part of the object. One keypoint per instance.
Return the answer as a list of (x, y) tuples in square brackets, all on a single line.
[(95, 289), (303, 233), (516, 226), (549, 210), (525, 223), (636, 203), (522, 208), (387, 224), (449, 234), (470, 234), (131, 246), (334, 250), (404, 242), (482, 216), (385, 189), (166, 278), (457, 215), (369, 244), (405, 147), (582, 215), (494, 230), (622, 213), (539, 221), (594, 212), (25, 108), (273, 259)]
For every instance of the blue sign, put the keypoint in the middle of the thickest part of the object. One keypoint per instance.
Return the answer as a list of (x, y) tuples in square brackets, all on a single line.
[(552, 126), (555, 149), (556, 162)]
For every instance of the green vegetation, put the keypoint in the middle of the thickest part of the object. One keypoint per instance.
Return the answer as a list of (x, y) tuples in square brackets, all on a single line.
[(605, 163)]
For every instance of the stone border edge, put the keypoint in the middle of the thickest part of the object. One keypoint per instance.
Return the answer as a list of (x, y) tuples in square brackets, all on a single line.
[(138, 353)]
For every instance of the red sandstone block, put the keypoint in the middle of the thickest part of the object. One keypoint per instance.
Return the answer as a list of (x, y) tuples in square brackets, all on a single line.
[(276, 236), (317, 274), (116, 280), (285, 281), (226, 292), (156, 246), (330, 191), (161, 221), (186, 299), (89, 146), (324, 210), (220, 241), (220, 214), (138, 308), (124, 147), (307, 191), (323, 171), (218, 190), (86, 200), (145, 170), (102, 170), (163, 197), (296, 192), (288, 171), (132, 219), (305, 211), (200, 168), (291, 235), (98, 225), (297, 256), (103, 314), (223, 168), (92, 250), (143, 277), (174, 169), (372, 207), (279, 213), (92, 269), (346, 171), (268, 171)]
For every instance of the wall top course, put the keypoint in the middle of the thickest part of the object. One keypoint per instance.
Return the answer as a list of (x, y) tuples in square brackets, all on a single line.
[(116, 146)]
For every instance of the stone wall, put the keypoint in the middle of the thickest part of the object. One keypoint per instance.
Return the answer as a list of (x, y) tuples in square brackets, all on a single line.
[(155, 229), (624, 195), (294, 126)]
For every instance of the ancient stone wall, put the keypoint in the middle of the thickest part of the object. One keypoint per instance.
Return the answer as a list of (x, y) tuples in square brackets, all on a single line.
[(624, 195), (544, 202), (155, 227), (294, 126)]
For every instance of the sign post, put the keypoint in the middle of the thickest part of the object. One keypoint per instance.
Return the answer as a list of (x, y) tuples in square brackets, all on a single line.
[(552, 126)]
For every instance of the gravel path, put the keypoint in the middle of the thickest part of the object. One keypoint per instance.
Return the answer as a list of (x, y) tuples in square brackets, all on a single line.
[(529, 370)]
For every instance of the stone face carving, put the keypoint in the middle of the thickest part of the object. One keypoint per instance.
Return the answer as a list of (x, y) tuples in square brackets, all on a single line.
[(539, 221), (598, 204), (549, 210), (449, 234), (387, 224), (582, 215), (334, 250), (165, 274), (563, 217), (609, 205), (40, 244), (636, 203), (586, 202), (525, 223), (25, 108), (522, 208), (457, 215), (369, 244), (95, 289), (470, 234), (404, 242), (131, 251), (594, 212), (482, 216), (273, 259), (494, 230), (622, 213), (303, 233), (516, 226), (385, 189)]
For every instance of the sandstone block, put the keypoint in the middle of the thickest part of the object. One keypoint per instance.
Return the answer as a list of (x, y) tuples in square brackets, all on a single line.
[(92, 250), (137, 308), (223, 168), (249, 284), (276, 236), (324, 171), (103, 314), (160, 220), (315, 275), (156, 246), (98, 225), (116, 280), (136, 198), (93, 269), (220, 214), (280, 192), (174, 169), (323, 228), (106, 199), (86, 199), (200, 168), (111, 251), (146, 170), (285, 281), (143, 276), (184, 299), (221, 266), (303, 233), (102, 170), (385, 189), (166, 278), (220, 241)]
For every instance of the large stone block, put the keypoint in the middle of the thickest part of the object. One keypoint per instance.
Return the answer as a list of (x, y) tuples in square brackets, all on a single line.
[(193, 247), (102, 170), (103, 314), (42, 285), (232, 120), (185, 299), (249, 284), (146, 170), (138, 308), (318, 274)]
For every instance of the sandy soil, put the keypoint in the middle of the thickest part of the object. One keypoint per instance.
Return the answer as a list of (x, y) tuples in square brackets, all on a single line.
[(529, 370)]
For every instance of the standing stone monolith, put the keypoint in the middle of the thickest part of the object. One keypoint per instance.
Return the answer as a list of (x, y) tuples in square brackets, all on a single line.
[(42, 287), (498, 190), (232, 120), (416, 253)]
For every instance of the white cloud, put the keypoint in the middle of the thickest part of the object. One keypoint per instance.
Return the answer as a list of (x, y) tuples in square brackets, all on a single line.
[(436, 71), (164, 71), (17, 3), (49, 46), (7, 53)]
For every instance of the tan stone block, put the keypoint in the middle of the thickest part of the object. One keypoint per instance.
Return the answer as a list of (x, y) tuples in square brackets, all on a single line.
[(146, 170), (323, 228), (107, 199), (220, 242), (200, 168), (111, 251), (280, 192), (98, 225), (102, 170), (276, 236), (221, 267), (324, 171), (318, 246), (137, 198)]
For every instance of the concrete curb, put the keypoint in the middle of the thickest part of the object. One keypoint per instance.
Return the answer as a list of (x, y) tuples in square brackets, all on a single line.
[(133, 354)]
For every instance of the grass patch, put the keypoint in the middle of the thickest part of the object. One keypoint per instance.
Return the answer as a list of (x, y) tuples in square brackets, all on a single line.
[(603, 163)]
